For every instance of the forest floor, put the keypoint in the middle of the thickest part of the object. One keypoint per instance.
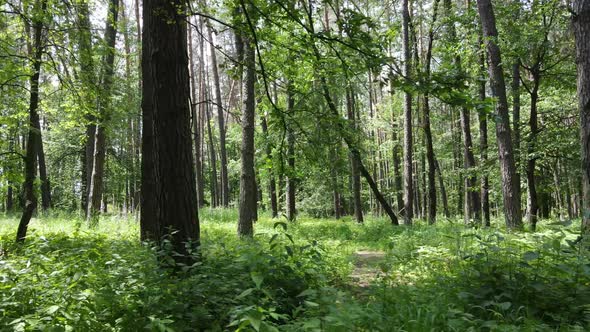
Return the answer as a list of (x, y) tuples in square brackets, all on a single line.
[(312, 275)]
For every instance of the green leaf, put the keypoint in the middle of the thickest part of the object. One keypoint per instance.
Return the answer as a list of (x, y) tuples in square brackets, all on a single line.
[(257, 277), (51, 310), (245, 293)]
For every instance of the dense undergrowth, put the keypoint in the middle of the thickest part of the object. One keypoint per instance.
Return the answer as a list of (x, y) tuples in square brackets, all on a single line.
[(294, 277)]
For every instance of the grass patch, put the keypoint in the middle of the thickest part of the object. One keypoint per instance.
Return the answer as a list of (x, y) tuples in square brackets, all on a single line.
[(294, 277)]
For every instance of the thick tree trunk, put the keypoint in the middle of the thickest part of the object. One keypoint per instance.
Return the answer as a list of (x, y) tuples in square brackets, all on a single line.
[(581, 24), (247, 209), (33, 136), (510, 185), (408, 171), (106, 81), (220, 121), (165, 64), (354, 167)]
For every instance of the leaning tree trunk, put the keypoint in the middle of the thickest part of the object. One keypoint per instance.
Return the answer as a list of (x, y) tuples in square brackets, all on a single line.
[(247, 210), (95, 190), (164, 65), (220, 121), (408, 172), (33, 136), (510, 186), (581, 24)]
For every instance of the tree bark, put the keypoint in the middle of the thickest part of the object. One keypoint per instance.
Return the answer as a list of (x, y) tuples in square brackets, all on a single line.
[(165, 64), (426, 123), (354, 167), (106, 81), (220, 121), (510, 186), (33, 135), (408, 172), (581, 25), (272, 191), (533, 203), (483, 147), (196, 106), (247, 209)]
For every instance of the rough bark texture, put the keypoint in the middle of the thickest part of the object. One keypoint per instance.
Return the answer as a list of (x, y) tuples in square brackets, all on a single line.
[(166, 95), (408, 184), (220, 121), (33, 135), (247, 210), (106, 81), (581, 24), (510, 186)]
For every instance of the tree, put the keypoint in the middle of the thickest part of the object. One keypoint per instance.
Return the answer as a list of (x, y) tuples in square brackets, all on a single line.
[(220, 121), (510, 187), (33, 133), (408, 160), (581, 25), (248, 195), (167, 144), (95, 190)]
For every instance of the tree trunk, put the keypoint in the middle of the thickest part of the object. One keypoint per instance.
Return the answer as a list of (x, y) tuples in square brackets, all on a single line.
[(106, 81), (165, 64), (533, 204), (272, 190), (408, 184), (510, 186), (483, 147), (212, 158), (88, 79), (247, 208), (33, 136), (581, 25), (220, 121), (196, 107), (291, 178), (45, 184), (471, 202), (443, 190), (516, 116), (354, 167), (426, 124)]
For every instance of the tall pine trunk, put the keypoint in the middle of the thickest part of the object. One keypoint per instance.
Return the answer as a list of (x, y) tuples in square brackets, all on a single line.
[(164, 65), (408, 160), (95, 190), (510, 185), (224, 194), (581, 25)]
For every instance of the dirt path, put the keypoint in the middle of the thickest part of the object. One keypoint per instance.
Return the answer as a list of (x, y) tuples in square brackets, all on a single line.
[(366, 269)]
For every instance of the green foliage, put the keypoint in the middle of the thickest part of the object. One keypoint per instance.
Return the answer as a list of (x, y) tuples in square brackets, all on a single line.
[(295, 277)]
